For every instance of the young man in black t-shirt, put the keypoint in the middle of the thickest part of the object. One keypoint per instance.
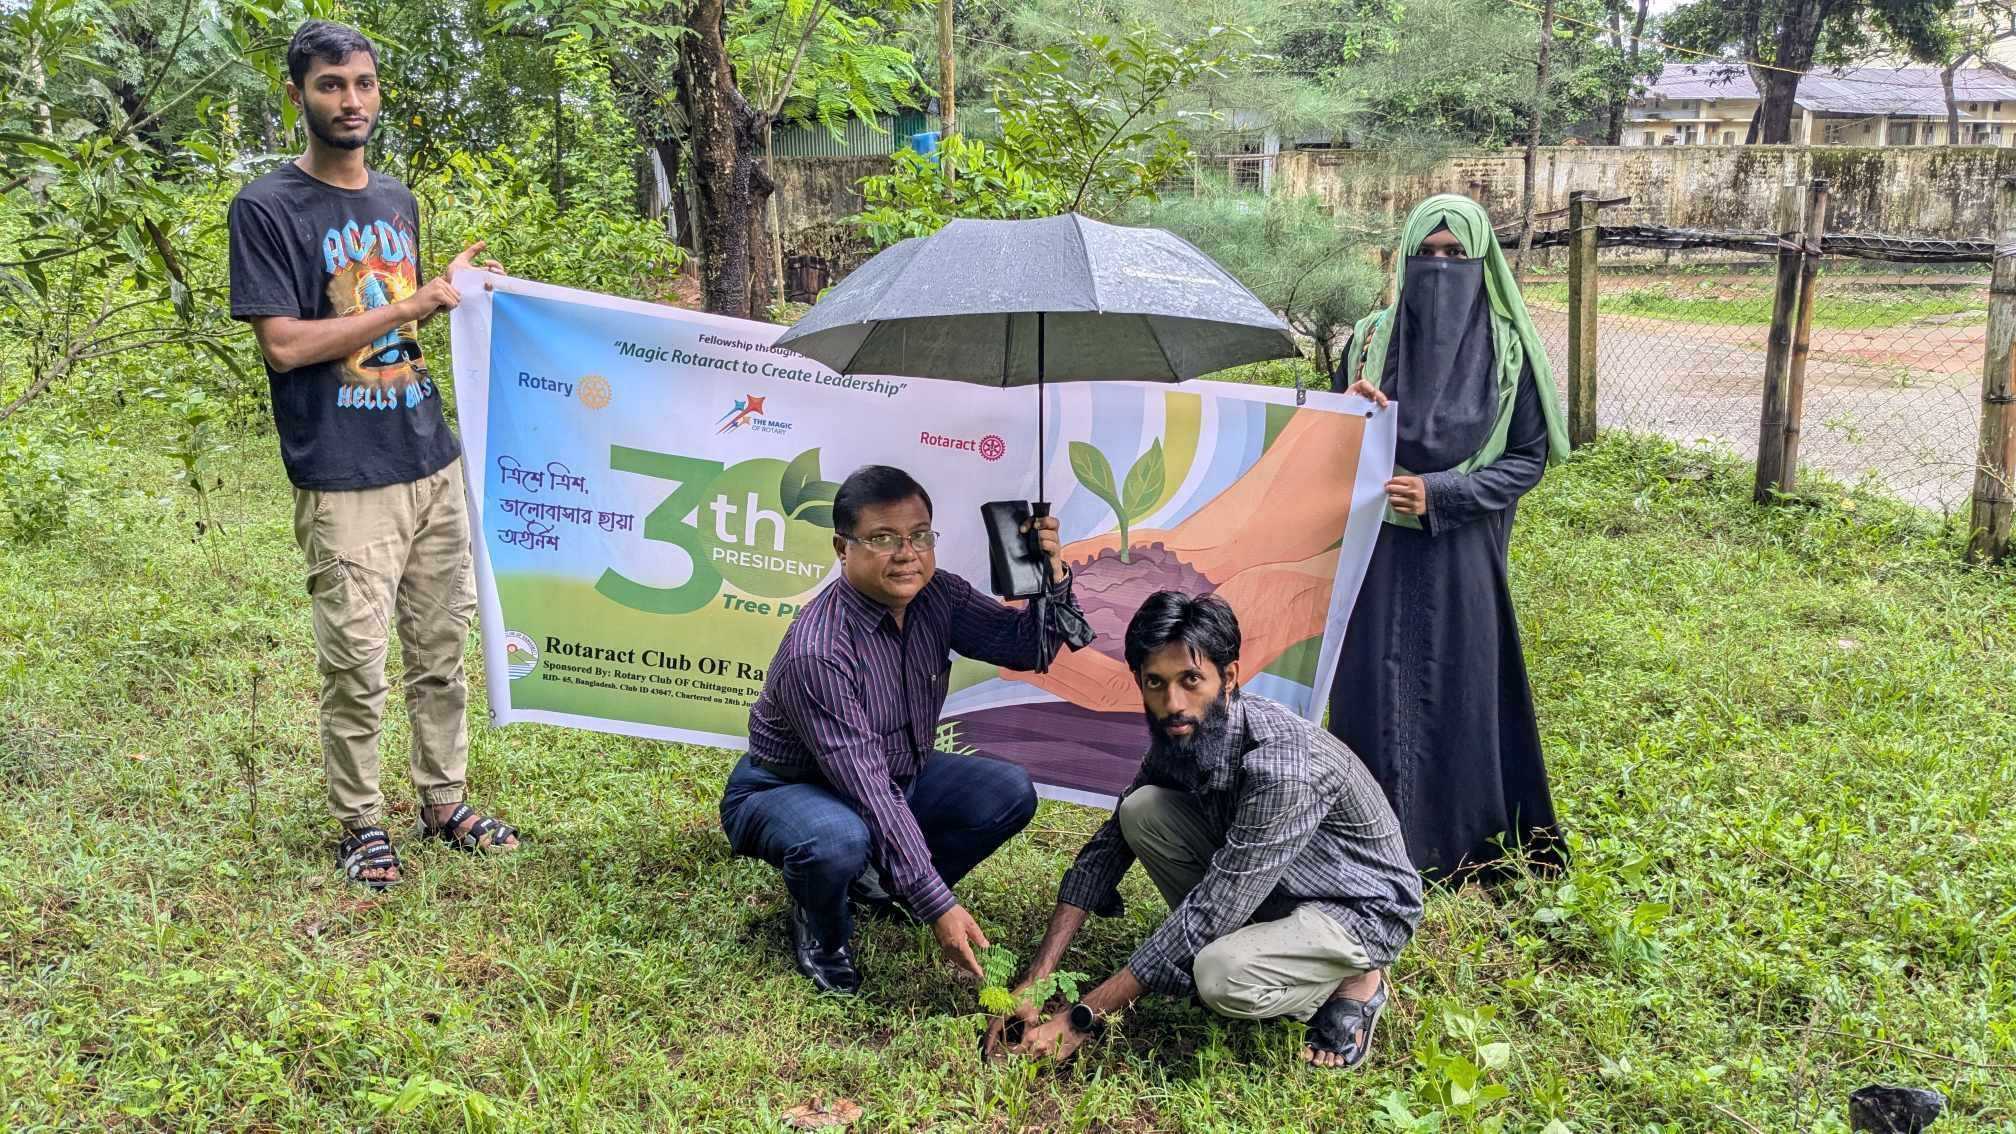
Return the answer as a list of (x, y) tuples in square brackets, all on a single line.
[(325, 266)]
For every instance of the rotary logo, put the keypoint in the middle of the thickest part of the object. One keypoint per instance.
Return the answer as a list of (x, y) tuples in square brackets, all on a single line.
[(520, 654), (593, 391), (993, 448)]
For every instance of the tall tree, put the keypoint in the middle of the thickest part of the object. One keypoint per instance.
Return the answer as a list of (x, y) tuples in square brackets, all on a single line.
[(1533, 137), (730, 185), (1994, 22), (1780, 40), (812, 62), (1630, 51)]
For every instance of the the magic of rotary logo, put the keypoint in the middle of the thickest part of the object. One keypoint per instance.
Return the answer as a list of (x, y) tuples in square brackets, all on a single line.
[(749, 412)]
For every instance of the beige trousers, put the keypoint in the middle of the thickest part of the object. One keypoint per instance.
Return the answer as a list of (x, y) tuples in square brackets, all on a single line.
[(376, 555), (1285, 967)]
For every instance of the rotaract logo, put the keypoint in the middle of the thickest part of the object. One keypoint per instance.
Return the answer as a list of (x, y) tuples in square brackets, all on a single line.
[(990, 447), (520, 654)]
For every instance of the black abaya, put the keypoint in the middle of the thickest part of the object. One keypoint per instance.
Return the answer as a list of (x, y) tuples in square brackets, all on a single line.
[(1431, 688)]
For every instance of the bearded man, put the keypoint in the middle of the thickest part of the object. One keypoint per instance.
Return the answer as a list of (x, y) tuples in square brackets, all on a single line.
[(1288, 882)]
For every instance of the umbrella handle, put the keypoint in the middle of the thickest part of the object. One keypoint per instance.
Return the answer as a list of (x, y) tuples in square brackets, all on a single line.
[(1037, 510)]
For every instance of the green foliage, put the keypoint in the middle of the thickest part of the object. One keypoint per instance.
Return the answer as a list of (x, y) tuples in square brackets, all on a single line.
[(1431, 75), (1318, 270), (102, 259), (1734, 301), (1461, 1069), (1087, 125), (998, 967), (1094, 114), (847, 70), (1781, 723), (1827, 32), (195, 443), (965, 178), (37, 482)]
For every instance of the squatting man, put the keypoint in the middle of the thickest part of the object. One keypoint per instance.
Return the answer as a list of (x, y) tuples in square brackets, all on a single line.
[(842, 789), (1288, 882)]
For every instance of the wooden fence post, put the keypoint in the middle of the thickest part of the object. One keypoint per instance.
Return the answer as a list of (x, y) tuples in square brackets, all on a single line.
[(1581, 318), (1771, 427), (1802, 330), (1995, 465)]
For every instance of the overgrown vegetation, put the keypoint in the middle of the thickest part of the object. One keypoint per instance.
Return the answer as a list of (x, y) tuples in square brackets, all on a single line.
[(1778, 736)]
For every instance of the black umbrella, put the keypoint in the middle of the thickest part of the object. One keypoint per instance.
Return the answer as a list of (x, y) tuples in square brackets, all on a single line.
[(1018, 303)]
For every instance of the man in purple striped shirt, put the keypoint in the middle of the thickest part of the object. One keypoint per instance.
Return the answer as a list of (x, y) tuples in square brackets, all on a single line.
[(842, 788)]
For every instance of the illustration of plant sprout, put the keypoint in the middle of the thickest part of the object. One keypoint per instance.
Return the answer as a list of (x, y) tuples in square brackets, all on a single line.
[(805, 496), (1135, 497)]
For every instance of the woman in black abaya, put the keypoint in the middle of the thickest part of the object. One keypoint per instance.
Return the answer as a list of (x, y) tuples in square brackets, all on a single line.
[(1431, 688)]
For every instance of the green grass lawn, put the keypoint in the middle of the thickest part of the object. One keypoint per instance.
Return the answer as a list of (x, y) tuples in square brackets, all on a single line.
[(1783, 741), (1841, 304)]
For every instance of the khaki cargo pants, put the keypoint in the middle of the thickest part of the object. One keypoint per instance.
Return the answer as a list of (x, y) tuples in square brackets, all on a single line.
[(375, 555), (1285, 967)]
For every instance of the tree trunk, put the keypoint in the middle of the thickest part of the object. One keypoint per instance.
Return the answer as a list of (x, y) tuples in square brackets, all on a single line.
[(1620, 109), (1798, 35), (669, 150), (1533, 139), (766, 271), (559, 150), (947, 110), (773, 223), (1952, 104), (1772, 125), (724, 219), (1613, 114), (38, 78)]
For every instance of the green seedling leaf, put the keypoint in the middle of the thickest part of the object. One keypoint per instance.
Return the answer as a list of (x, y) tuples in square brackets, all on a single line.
[(1095, 473), (1144, 484), (801, 473)]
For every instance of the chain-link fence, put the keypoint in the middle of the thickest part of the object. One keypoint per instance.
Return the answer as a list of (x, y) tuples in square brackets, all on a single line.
[(1892, 386)]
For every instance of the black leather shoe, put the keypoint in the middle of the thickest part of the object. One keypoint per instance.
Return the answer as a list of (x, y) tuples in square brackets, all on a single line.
[(872, 900), (831, 970)]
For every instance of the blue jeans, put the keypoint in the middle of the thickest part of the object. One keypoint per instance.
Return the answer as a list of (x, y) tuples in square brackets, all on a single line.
[(966, 806)]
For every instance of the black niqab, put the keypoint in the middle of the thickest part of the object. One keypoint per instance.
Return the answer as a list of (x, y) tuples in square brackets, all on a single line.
[(1440, 366)]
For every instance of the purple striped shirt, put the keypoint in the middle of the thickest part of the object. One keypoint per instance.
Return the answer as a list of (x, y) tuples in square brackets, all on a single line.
[(845, 684)]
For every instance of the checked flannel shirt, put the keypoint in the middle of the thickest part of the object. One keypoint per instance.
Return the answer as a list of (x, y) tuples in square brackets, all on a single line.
[(1301, 822)]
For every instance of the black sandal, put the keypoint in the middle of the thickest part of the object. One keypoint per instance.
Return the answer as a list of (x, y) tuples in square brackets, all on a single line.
[(368, 848), (484, 835), (1344, 1026)]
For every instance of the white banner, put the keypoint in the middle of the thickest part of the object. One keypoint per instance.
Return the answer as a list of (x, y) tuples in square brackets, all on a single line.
[(652, 489)]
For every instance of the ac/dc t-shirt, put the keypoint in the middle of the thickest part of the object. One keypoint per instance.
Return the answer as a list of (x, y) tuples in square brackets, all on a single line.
[(310, 250)]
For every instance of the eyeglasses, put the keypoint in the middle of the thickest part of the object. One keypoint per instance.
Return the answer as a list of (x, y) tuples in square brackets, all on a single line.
[(886, 543)]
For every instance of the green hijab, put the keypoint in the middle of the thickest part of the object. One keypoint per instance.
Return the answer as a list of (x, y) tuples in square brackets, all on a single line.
[(1514, 339)]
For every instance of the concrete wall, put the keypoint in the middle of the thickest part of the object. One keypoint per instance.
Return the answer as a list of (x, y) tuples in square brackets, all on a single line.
[(815, 191), (1946, 192)]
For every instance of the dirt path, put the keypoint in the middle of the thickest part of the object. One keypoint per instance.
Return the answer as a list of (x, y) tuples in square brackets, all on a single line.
[(1900, 405)]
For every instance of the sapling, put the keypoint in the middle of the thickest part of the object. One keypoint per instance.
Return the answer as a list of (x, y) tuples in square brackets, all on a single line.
[(998, 966)]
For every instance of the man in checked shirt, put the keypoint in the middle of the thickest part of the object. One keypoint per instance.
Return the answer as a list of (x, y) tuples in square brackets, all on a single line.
[(841, 789), (1288, 882)]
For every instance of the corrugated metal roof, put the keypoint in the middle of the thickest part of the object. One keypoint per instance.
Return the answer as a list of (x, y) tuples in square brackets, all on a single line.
[(1902, 91), (859, 139)]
